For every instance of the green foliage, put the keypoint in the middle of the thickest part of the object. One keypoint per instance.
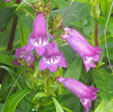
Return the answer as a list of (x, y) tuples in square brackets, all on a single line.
[(6, 15), (74, 69), (103, 80), (11, 103), (57, 105), (5, 59)]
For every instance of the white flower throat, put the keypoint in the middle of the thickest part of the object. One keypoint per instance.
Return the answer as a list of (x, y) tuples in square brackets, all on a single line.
[(88, 59), (52, 60), (39, 41)]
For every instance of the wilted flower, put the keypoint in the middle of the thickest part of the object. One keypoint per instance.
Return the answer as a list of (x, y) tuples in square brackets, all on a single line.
[(23, 55), (80, 45), (6, 0), (52, 58), (85, 93), (38, 39)]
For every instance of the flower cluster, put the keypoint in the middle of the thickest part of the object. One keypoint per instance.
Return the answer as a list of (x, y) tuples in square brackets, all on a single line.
[(51, 57), (38, 40)]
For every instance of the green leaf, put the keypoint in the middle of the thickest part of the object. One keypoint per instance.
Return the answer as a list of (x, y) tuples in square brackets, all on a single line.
[(84, 1), (100, 107), (23, 4), (6, 60), (104, 81), (74, 69), (105, 5), (68, 53), (67, 110), (39, 95), (5, 16), (57, 105), (12, 73), (105, 106), (11, 104), (24, 33)]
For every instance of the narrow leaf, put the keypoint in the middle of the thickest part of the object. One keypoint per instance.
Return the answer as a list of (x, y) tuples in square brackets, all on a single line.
[(11, 104), (6, 60), (57, 105)]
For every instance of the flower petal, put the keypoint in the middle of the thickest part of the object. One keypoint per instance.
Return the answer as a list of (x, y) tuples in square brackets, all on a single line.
[(43, 65), (15, 62), (96, 57), (29, 47), (52, 67), (62, 62), (40, 50), (86, 104)]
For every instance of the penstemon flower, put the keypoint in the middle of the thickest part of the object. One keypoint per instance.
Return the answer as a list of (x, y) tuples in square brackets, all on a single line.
[(26, 56), (6, 0), (80, 45), (52, 58), (85, 93), (38, 39)]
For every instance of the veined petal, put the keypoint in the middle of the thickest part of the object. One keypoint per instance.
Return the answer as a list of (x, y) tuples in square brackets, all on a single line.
[(39, 25)]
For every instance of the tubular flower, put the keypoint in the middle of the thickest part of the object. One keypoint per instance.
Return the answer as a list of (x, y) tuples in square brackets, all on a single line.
[(23, 55), (38, 39), (80, 45), (85, 93), (6, 0), (52, 58)]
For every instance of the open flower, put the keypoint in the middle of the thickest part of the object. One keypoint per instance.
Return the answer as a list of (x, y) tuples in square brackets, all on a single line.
[(52, 58), (38, 39), (85, 93), (80, 45), (23, 55)]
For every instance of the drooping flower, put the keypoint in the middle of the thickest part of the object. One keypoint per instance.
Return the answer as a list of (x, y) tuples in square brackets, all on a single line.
[(85, 93), (6, 0), (52, 58), (38, 39), (23, 55), (80, 45)]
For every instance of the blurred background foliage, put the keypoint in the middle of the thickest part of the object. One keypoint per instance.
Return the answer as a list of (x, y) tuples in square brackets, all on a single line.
[(27, 90)]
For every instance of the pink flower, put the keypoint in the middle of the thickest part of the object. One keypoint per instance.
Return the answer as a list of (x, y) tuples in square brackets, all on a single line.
[(38, 39), (85, 93), (81, 46), (52, 58), (23, 54)]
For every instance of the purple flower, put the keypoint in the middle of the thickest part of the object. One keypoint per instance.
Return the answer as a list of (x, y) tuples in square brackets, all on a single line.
[(6, 0), (26, 56), (85, 93), (52, 58), (38, 39), (80, 45)]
